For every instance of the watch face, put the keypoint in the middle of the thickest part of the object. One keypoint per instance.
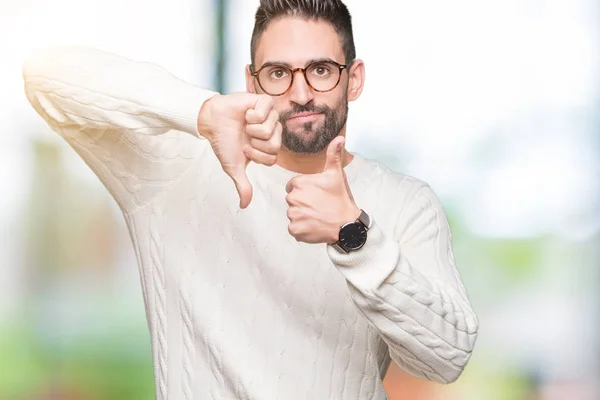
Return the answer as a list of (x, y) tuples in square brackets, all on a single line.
[(353, 236)]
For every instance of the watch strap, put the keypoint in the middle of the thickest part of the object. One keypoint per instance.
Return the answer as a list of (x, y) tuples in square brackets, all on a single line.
[(339, 248), (364, 219)]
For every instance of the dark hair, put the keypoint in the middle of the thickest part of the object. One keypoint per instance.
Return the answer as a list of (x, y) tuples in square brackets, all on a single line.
[(332, 11)]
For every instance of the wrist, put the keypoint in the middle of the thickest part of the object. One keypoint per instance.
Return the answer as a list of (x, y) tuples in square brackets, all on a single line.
[(350, 216), (205, 118)]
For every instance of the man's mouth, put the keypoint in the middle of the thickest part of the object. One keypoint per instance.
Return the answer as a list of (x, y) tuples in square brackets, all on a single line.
[(304, 117)]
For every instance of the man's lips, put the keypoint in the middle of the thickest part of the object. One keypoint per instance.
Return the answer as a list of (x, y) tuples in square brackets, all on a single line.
[(304, 117)]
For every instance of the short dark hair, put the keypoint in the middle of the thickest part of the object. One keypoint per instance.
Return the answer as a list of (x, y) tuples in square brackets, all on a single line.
[(332, 11)]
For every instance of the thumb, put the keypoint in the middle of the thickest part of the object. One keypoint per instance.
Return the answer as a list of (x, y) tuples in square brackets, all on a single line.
[(242, 185), (335, 154)]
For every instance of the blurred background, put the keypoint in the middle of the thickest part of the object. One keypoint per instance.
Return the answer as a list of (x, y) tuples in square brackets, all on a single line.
[(495, 103)]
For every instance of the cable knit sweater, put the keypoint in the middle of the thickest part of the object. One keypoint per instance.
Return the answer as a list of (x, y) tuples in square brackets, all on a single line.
[(236, 307)]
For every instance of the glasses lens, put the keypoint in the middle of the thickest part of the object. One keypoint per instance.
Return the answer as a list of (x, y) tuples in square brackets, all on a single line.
[(275, 79), (323, 76)]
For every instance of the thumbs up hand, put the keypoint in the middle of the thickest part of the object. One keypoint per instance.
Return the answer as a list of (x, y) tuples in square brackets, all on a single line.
[(319, 204)]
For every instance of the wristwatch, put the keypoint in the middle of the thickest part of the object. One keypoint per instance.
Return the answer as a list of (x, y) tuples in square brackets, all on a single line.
[(353, 235)]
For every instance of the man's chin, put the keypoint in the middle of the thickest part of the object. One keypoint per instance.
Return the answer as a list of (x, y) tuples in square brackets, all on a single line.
[(303, 135), (304, 143)]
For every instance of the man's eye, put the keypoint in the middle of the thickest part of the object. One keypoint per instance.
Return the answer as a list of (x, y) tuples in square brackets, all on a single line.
[(320, 70), (278, 74)]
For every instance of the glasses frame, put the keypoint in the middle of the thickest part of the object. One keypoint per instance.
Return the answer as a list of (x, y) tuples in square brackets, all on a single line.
[(293, 71)]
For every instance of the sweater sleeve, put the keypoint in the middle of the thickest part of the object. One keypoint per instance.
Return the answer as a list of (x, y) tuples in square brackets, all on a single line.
[(133, 123), (410, 291)]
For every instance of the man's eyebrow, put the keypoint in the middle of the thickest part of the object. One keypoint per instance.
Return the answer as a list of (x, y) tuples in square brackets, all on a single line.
[(321, 60), (276, 63), (285, 64)]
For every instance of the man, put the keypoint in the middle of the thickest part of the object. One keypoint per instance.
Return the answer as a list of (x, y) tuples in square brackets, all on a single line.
[(319, 270)]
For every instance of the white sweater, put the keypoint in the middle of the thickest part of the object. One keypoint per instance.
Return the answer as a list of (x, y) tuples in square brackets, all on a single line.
[(236, 307)]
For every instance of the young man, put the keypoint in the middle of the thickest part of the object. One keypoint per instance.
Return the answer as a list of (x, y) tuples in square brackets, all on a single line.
[(319, 270)]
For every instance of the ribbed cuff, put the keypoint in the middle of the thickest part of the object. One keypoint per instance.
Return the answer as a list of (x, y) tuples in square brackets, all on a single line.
[(368, 267), (184, 107)]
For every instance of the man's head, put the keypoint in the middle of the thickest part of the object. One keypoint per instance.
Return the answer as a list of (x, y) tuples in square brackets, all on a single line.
[(315, 35)]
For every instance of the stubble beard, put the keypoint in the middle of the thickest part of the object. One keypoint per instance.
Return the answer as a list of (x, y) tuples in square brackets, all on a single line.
[(314, 136)]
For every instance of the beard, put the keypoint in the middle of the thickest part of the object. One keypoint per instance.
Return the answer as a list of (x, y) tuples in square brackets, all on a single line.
[(314, 136)]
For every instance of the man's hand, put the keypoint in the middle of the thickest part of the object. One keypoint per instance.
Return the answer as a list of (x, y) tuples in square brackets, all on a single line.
[(241, 127), (319, 204)]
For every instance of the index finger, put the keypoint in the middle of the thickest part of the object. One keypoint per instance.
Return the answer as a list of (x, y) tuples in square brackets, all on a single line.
[(261, 110)]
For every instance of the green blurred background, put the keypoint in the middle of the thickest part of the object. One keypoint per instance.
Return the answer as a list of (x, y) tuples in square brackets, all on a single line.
[(495, 104)]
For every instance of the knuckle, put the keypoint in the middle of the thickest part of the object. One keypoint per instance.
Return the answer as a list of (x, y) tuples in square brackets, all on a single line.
[(290, 199), (250, 130), (276, 142), (274, 115), (251, 152), (273, 160), (256, 131), (274, 145), (268, 100), (265, 132), (262, 115), (265, 106), (295, 213), (294, 230), (270, 160), (249, 115)]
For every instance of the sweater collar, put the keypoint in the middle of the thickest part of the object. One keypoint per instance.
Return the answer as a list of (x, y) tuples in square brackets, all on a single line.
[(281, 175)]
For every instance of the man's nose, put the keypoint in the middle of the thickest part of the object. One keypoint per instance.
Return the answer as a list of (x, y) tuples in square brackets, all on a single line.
[(300, 92)]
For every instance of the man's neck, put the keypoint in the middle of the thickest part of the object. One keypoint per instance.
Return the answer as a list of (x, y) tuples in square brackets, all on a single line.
[(306, 163)]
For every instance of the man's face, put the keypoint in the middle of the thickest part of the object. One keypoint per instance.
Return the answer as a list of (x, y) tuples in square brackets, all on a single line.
[(310, 119)]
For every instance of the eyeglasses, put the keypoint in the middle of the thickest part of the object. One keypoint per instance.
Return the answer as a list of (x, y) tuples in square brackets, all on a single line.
[(321, 76)]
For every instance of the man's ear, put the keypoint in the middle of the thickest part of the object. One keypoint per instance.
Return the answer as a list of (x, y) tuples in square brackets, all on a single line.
[(356, 82), (250, 88)]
